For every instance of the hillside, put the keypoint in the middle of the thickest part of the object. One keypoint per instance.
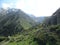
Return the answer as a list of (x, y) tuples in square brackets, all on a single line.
[(14, 33), (54, 19), (13, 21)]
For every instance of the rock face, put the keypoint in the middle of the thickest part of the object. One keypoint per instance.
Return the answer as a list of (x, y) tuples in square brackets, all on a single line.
[(13, 21), (54, 19)]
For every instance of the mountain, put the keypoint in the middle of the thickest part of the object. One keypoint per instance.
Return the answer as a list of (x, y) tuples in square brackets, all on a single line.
[(13, 21), (40, 19), (54, 19), (20, 29), (37, 19)]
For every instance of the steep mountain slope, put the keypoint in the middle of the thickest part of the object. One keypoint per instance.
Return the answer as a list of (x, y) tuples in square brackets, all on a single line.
[(13, 21), (54, 19)]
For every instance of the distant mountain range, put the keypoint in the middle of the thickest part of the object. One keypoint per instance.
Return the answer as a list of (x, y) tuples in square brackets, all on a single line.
[(37, 19)]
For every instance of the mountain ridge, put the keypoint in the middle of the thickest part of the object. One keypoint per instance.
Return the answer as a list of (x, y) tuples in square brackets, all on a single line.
[(13, 21)]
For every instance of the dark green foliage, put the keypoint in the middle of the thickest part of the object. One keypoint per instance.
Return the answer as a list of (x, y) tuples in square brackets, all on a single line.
[(48, 36), (40, 42)]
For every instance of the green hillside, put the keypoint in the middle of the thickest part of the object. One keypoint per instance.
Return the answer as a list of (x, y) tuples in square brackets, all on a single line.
[(13, 21), (17, 28)]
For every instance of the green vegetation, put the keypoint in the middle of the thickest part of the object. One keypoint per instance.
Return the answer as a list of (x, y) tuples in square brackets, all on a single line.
[(16, 28), (37, 36)]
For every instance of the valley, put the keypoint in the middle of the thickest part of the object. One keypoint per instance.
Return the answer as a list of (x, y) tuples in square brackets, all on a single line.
[(18, 28)]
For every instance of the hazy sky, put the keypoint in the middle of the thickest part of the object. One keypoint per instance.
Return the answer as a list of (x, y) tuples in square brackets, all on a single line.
[(35, 7)]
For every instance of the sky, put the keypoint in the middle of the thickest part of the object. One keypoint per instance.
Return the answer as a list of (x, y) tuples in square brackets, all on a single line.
[(34, 7)]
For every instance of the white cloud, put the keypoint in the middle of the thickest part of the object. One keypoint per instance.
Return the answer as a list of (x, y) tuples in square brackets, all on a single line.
[(39, 7), (6, 5), (20, 4), (36, 7)]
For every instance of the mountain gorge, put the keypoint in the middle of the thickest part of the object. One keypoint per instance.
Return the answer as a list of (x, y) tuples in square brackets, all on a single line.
[(19, 28)]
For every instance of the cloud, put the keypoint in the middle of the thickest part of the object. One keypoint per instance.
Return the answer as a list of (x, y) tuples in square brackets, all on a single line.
[(35, 7), (39, 7), (20, 4), (6, 5)]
